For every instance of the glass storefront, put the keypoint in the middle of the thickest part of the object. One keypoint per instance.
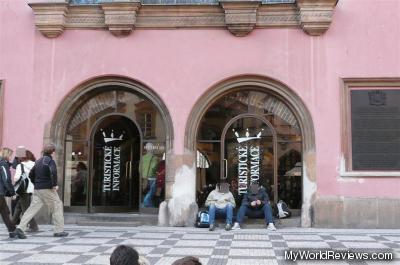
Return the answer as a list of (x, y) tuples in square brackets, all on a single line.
[(250, 136), (108, 143)]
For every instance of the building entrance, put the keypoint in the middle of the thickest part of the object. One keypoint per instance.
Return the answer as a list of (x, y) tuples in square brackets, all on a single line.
[(114, 151), (114, 184), (248, 136), (248, 154)]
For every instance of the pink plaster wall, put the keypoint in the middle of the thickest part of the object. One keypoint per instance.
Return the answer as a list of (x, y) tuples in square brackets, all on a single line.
[(363, 41)]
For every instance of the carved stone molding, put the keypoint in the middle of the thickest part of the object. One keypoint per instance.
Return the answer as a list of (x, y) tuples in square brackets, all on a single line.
[(50, 17), (120, 17), (316, 15), (240, 15)]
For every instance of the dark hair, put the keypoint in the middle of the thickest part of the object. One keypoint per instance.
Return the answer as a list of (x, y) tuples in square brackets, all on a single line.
[(48, 149), (29, 156), (124, 255), (189, 260)]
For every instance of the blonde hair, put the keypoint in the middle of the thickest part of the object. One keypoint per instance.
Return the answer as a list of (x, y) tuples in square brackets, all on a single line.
[(5, 153)]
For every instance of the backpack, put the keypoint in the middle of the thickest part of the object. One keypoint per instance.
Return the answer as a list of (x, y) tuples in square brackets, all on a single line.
[(283, 210), (22, 184), (203, 219)]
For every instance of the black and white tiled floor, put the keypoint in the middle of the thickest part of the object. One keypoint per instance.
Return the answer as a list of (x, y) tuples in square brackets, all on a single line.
[(161, 245)]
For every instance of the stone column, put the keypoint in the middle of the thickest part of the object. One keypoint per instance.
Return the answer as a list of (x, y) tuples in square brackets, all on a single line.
[(180, 208)]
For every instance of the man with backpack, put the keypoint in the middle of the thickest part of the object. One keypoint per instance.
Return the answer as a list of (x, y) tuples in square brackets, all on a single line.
[(44, 177), (24, 187)]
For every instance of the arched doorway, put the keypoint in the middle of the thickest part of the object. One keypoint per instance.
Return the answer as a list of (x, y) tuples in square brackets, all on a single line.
[(254, 131), (248, 154), (114, 182), (116, 110), (288, 168)]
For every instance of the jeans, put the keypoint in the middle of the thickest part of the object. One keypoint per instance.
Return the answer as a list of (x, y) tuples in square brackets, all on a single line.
[(265, 212), (227, 212), (148, 198)]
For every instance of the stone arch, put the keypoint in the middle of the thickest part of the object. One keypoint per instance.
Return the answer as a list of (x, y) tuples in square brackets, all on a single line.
[(297, 106), (56, 129)]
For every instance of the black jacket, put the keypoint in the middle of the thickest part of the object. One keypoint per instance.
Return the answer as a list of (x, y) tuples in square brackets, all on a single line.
[(6, 187), (44, 174), (261, 195)]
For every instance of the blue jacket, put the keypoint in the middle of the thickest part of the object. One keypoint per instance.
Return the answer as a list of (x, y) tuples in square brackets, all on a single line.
[(44, 174), (6, 187)]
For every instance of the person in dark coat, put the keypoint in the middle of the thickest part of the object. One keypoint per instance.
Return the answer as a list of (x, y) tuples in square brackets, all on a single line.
[(44, 178), (255, 203), (6, 188)]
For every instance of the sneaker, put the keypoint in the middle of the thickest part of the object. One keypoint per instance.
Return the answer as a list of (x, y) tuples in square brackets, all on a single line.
[(228, 227), (61, 234), (11, 235), (271, 227), (236, 226), (19, 233), (212, 227)]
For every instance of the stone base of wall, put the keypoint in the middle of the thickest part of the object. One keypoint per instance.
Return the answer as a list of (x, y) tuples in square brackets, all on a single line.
[(345, 212)]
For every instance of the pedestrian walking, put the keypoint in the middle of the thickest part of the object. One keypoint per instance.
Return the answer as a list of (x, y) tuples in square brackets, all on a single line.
[(25, 196), (6, 188), (44, 177)]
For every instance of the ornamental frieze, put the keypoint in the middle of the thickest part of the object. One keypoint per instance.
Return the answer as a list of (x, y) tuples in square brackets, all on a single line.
[(240, 17)]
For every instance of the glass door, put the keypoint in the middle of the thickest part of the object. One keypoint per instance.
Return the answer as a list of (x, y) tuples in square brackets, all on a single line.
[(248, 154), (114, 177)]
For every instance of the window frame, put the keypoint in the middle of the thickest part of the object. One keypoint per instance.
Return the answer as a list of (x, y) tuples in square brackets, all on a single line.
[(348, 85)]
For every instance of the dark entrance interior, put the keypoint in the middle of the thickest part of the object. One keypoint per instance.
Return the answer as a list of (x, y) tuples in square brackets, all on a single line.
[(114, 177)]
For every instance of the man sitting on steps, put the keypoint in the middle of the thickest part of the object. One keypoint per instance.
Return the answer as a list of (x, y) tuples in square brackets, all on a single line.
[(255, 203), (220, 202)]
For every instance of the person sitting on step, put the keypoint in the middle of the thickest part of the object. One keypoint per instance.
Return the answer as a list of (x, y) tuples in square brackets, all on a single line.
[(255, 204), (220, 202)]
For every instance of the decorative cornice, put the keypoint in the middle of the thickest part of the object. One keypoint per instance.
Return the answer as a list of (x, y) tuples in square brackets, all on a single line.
[(120, 17), (50, 17), (238, 16), (316, 15)]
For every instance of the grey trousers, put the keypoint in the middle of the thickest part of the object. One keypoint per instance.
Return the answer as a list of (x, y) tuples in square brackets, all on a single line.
[(50, 198)]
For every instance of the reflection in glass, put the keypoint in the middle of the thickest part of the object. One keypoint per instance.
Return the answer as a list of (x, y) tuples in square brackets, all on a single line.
[(248, 100), (84, 187), (152, 174)]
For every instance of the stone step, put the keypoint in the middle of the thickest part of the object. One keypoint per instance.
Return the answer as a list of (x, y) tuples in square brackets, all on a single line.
[(136, 219), (111, 219)]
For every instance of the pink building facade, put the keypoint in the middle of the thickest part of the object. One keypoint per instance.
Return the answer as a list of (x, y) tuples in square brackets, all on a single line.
[(317, 97)]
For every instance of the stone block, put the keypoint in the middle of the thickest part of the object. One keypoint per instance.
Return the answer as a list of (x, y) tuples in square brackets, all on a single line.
[(328, 212), (388, 213), (360, 213)]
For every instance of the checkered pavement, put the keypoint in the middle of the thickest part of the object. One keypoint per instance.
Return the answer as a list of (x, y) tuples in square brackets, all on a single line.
[(163, 245)]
